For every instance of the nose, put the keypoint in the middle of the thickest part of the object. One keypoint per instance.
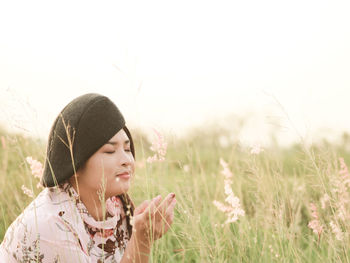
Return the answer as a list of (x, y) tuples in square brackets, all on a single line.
[(125, 159)]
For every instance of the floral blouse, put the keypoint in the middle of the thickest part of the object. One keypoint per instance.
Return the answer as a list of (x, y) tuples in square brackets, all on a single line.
[(56, 227)]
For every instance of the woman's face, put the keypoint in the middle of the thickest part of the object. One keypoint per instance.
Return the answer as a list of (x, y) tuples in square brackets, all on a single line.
[(113, 164)]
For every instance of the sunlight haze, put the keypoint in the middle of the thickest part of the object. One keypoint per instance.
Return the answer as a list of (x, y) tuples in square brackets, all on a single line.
[(172, 65)]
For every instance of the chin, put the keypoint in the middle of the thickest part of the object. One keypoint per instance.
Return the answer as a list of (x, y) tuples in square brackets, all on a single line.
[(120, 190), (126, 189)]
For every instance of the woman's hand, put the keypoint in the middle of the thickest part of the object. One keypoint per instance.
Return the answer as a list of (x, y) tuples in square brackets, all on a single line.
[(152, 219)]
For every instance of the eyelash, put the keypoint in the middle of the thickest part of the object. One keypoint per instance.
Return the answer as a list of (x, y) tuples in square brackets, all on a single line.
[(127, 150)]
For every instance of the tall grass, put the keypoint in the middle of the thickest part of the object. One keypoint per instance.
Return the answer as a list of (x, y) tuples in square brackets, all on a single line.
[(275, 188)]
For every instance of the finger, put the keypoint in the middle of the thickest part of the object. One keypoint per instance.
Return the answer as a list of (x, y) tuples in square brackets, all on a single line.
[(166, 218), (170, 209), (169, 215), (166, 202), (170, 197), (157, 200), (152, 207), (141, 207)]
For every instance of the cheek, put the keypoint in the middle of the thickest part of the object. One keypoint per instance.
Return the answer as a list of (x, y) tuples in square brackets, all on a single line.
[(132, 161), (93, 172), (133, 167)]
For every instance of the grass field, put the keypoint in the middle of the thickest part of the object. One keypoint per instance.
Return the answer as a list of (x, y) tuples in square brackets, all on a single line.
[(286, 193)]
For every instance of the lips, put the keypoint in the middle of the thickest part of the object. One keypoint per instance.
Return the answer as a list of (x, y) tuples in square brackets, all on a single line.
[(124, 175)]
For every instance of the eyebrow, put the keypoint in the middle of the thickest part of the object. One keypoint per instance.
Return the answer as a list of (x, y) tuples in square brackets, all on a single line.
[(116, 143)]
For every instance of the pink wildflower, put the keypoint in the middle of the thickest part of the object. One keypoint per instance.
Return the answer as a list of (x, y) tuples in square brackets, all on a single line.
[(27, 191), (159, 147), (226, 171), (221, 206), (37, 169), (315, 224), (233, 210), (256, 149), (342, 189), (35, 166), (153, 159), (336, 230)]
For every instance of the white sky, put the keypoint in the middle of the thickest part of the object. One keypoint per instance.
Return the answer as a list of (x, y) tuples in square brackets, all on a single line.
[(172, 64)]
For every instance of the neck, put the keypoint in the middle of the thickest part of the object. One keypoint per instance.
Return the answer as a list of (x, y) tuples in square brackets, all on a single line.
[(91, 201)]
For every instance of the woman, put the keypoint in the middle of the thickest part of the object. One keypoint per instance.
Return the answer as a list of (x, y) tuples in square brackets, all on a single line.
[(85, 214)]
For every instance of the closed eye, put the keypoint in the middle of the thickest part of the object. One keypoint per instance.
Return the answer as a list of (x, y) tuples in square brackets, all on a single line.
[(127, 150)]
